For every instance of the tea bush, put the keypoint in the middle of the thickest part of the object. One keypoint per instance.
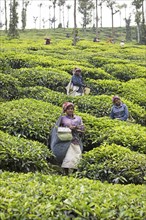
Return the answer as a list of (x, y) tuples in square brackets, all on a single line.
[(8, 87), (98, 106), (55, 197), (43, 77), (21, 155), (114, 164), (101, 61), (125, 72), (28, 118), (34, 119), (126, 89)]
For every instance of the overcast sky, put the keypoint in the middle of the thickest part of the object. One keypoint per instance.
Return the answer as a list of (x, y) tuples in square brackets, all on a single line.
[(33, 11)]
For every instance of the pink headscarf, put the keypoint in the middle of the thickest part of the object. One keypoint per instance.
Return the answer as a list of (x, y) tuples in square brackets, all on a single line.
[(115, 97), (66, 104)]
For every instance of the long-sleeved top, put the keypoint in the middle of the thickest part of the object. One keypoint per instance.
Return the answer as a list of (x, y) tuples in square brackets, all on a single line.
[(67, 121), (78, 81), (120, 112)]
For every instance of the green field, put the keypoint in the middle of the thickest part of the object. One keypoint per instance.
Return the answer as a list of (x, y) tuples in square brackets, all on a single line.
[(111, 177)]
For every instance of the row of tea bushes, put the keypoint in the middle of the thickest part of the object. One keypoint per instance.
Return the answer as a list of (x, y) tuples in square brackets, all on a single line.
[(111, 163), (55, 197), (26, 60), (98, 106), (133, 90), (89, 72), (9, 87), (125, 72), (114, 164), (99, 59), (39, 76), (22, 155), (34, 119), (28, 118)]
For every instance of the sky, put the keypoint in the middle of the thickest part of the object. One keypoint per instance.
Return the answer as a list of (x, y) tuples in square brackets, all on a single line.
[(34, 12)]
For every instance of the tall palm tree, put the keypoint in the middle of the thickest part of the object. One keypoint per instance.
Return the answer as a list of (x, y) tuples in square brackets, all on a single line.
[(35, 20), (75, 22), (96, 8), (40, 6), (54, 7), (50, 6), (61, 4), (100, 4), (68, 8), (6, 21), (111, 4)]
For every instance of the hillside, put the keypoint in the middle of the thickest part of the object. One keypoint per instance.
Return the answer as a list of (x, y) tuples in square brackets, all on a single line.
[(110, 182)]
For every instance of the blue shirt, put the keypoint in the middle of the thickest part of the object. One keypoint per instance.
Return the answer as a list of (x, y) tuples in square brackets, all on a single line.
[(78, 81), (120, 112)]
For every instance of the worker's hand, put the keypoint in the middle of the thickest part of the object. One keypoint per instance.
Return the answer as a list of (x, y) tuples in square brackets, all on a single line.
[(72, 127)]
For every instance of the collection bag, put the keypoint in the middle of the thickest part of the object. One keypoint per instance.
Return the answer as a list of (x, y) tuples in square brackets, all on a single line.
[(69, 87), (64, 133), (86, 91)]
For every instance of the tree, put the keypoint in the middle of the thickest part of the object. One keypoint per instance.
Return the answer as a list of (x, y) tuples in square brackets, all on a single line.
[(61, 4), (13, 31), (23, 14), (75, 23), (50, 6), (100, 4), (40, 23), (68, 8), (120, 7), (128, 28), (140, 21), (6, 21), (96, 8), (54, 7), (85, 7), (52, 20), (35, 20), (111, 4)]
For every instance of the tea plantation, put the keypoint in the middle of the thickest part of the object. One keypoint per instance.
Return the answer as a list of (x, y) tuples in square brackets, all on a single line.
[(111, 177)]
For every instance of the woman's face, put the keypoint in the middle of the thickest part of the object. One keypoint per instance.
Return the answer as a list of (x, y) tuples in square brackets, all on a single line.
[(70, 110), (117, 102)]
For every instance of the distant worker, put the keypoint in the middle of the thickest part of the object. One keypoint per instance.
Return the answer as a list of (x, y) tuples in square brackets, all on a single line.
[(119, 110), (76, 86), (122, 43), (96, 39), (67, 35), (111, 40), (47, 41)]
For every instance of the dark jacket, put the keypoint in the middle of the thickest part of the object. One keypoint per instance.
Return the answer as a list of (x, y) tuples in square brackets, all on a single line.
[(78, 81)]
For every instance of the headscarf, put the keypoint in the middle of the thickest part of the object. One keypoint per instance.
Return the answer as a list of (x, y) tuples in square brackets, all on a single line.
[(115, 97), (66, 105), (75, 70)]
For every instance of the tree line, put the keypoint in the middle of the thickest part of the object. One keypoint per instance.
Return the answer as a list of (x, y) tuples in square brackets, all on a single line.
[(85, 8)]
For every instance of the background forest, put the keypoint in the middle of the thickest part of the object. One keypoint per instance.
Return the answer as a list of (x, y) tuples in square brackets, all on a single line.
[(93, 14)]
